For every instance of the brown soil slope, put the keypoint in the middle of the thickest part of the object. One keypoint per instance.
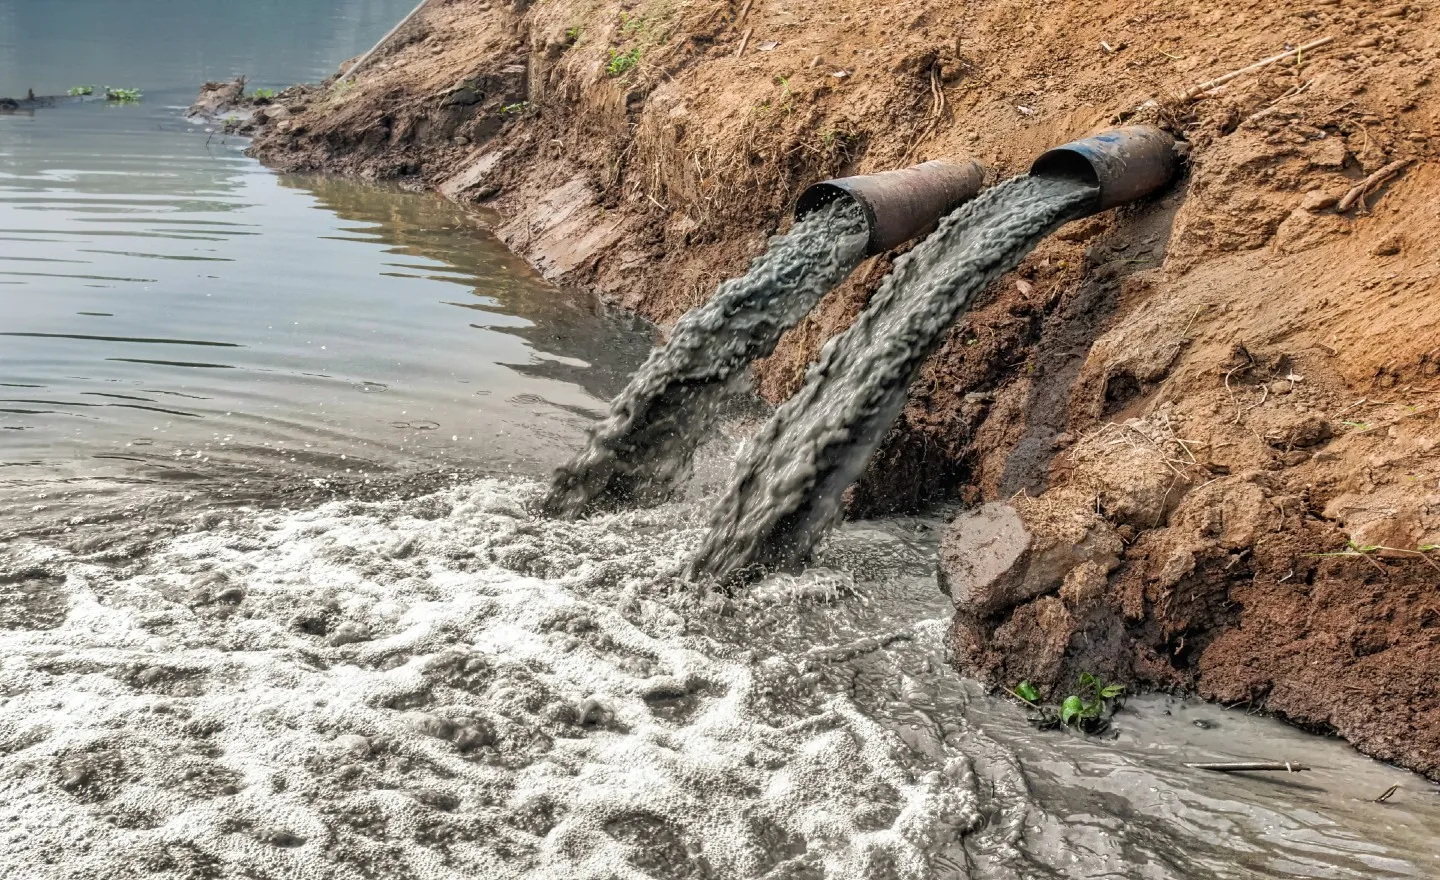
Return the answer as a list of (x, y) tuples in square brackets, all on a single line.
[(1190, 408)]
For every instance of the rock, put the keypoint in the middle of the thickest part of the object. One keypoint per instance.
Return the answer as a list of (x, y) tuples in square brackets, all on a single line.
[(460, 141), (274, 113), (216, 97), (1318, 200), (488, 191), (1000, 555), (1388, 246), (1329, 152)]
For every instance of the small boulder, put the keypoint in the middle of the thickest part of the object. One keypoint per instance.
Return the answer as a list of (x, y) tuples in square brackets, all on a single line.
[(1317, 200), (1388, 246), (1000, 554)]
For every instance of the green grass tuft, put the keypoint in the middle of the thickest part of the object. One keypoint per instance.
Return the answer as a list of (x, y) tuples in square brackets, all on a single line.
[(622, 63)]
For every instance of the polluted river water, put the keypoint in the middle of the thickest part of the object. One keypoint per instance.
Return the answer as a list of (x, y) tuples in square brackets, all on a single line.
[(420, 678)]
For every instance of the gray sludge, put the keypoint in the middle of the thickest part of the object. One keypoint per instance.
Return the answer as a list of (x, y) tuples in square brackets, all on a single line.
[(654, 426), (788, 483)]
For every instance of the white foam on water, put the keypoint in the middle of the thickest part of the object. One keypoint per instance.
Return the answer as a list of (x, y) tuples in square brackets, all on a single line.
[(435, 688)]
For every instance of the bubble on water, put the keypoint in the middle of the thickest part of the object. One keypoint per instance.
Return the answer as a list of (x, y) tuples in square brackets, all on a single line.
[(437, 687)]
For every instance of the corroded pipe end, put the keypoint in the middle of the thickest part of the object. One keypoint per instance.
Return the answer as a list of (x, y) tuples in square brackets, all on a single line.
[(900, 205), (1125, 163)]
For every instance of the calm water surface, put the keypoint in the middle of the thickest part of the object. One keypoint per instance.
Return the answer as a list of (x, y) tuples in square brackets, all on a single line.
[(171, 311)]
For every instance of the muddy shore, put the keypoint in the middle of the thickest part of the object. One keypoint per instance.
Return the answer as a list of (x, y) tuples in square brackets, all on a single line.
[(1203, 430)]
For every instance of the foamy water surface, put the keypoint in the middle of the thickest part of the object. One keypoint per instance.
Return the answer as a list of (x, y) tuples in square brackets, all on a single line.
[(450, 686)]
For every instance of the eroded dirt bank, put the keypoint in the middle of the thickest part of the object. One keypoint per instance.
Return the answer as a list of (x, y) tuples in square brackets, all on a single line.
[(1206, 426)]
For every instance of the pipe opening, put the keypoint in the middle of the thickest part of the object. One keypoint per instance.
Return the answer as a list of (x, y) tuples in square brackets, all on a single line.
[(1063, 164), (817, 197), (1123, 164), (899, 205)]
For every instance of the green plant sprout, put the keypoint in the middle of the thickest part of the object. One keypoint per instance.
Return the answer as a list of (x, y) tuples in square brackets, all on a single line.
[(81, 91), (622, 63), (265, 94), (514, 109), (1086, 711)]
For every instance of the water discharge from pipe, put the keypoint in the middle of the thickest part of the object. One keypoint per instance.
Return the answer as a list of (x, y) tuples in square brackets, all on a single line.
[(787, 487), (654, 426)]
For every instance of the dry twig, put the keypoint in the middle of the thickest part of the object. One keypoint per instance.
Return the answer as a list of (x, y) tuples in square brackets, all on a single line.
[(744, 41), (1364, 187), (1245, 766), (1204, 87)]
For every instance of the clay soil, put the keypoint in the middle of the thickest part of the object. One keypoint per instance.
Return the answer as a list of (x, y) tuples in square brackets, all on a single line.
[(1222, 404)]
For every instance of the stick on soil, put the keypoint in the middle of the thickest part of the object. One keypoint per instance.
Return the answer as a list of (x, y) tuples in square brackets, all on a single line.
[(744, 41), (1245, 767), (1204, 87), (1365, 186)]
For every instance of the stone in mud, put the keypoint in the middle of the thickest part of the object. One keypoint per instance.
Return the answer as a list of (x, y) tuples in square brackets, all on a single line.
[(217, 97), (1388, 246), (1000, 555), (1317, 200)]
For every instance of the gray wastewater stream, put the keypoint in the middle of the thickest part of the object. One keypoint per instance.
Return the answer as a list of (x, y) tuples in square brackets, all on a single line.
[(438, 684)]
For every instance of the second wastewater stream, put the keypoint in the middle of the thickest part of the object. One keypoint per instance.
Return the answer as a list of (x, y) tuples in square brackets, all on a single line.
[(348, 649)]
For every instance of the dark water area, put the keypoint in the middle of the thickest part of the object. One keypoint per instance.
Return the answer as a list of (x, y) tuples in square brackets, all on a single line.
[(172, 313)]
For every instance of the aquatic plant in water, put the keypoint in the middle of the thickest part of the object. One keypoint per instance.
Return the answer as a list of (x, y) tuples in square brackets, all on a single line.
[(122, 96)]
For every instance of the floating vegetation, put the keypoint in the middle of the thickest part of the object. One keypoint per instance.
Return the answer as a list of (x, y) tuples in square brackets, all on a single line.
[(122, 96)]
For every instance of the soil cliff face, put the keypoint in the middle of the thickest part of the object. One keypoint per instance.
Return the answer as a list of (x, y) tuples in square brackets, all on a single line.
[(1207, 426)]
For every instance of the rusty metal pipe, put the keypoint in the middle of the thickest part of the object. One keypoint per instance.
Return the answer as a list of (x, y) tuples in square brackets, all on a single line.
[(900, 205), (1126, 163)]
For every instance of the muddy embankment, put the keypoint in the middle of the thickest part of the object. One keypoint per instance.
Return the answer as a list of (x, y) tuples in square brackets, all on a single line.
[(1204, 429)]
